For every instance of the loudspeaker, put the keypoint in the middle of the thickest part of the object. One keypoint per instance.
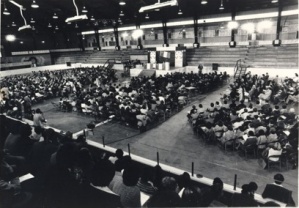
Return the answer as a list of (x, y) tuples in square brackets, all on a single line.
[(68, 63), (215, 66)]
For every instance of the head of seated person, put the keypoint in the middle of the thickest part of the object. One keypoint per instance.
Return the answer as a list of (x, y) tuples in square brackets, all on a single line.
[(191, 197), (131, 174)]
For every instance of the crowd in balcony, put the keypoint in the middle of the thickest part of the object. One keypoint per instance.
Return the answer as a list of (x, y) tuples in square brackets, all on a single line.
[(66, 172)]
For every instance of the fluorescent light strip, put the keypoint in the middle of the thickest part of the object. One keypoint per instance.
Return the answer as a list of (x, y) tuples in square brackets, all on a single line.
[(127, 28), (187, 22), (217, 19), (256, 16), (151, 26), (87, 33), (290, 12)]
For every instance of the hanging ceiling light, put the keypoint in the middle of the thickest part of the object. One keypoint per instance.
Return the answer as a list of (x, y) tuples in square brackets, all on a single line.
[(32, 20), (157, 10), (55, 16), (122, 2), (68, 23), (146, 16), (92, 18), (49, 25), (84, 10), (119, 20), (6, 12), (76, 26), (34, 4), (33, 28), (121, 14), (274, 1), (56, 27), (204, 1), (180, 12), (13, 24), (221, 5), (21, 42)]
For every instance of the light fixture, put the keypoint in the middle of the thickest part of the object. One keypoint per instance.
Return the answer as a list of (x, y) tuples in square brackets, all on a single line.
[(122, 2), (264, 25), (180, 12), (13, 24), (32, 20), (21, 42), (232, 25), (204, 1), (49, 25), (92, 18), (157, 10), (43, 41), (119, 20), (146, 16), (6, 12), (125, 34), (137, 33), (68, 23), (33, 28), (249, 27), (274, 1), (84, 10), (34, 4), (76, 26), (25, 26), (121, 14), (221, 5), (56, 27), (10, 38), (55, 16)]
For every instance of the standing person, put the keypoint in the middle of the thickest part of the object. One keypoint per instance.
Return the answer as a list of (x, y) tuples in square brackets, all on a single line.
[(38, 118)]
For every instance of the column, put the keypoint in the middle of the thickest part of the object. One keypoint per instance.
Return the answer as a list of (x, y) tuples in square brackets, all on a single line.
[(277, 41), (232, 42), (96, 34), (117, 47), (165, 37), (195, 25), (81, 43)]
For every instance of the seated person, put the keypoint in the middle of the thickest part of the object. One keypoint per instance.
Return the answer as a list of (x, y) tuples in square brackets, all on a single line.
[(278, 192), (244, 199)]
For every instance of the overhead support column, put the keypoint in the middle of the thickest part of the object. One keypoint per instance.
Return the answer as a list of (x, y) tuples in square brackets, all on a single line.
[(117, 47), (165, 37), (277, 41), (232, 42), (139, 44), (96, 34), (195, 25), (81, 43)]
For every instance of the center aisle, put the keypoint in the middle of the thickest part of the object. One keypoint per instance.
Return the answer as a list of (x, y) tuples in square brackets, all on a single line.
[(179, 147)]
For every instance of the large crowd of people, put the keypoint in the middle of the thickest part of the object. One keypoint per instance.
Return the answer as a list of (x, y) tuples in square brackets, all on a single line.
[(141, 101), (253, 116), (69, 173)]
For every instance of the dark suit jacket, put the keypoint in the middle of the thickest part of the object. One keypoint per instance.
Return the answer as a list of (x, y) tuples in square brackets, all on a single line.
[(278, 193), (243, 200)]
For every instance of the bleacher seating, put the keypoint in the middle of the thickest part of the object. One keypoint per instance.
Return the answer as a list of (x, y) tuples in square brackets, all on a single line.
[(100, 57), (73, 57), (224, 56), (285, 56)]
